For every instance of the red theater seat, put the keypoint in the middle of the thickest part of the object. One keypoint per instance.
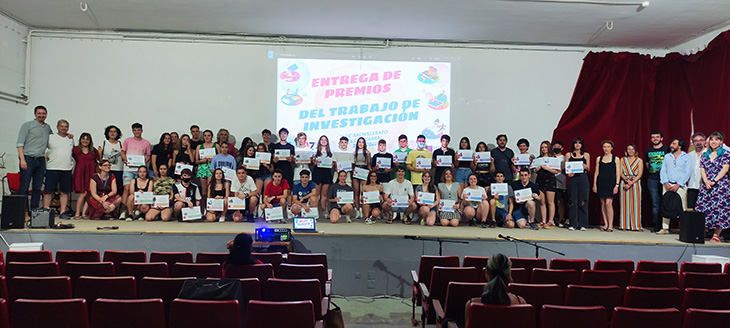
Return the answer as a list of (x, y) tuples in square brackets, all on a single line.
[(68, 313), (577, 265), (656, 266), (143, 313), (561, 316), (512, 316), (219, 314), (171, 257), (624, 317), (613, 265), (263, 314)]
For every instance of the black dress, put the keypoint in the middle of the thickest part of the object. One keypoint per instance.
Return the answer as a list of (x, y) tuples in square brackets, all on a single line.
[(606, 178)]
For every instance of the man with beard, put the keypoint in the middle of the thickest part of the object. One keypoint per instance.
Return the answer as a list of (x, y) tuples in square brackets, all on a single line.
[(674, 175), (502, 159), (654, 159), (693, 188)]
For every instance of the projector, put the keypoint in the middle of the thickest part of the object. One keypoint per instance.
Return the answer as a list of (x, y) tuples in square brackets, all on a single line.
[(272, 235)]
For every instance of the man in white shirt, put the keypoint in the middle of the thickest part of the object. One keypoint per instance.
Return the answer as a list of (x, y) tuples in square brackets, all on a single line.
[(695, 180), (244, 188), (59, 164), (341, 155), (399, 187)]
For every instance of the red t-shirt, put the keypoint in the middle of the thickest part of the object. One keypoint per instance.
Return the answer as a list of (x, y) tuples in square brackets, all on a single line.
[(273, 190)]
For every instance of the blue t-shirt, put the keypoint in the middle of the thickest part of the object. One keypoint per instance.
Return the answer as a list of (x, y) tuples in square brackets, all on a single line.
[(220, 161), (301, 191)]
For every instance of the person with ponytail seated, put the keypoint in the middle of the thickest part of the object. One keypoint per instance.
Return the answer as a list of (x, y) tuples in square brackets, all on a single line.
[(498, 276), (239, 252)]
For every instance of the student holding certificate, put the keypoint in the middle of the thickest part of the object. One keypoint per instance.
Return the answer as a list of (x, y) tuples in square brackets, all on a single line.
[(185, 193), (427, 212), (502, 205), (523, 145), (399, 187), (304, 196), (402, 153), (204, 159), (472, 208), (246, 152), (527, 207), (480, 168), (420, 152), (263, 176), (276, 192), (578, 187), (103, 197), (444, 150), (361, 159), (135, 146), (322, 176), (449, 190), (163, 187), (463, 168), (162, 153), (284, 164), (372, 211), (336, 209), (141, 184), (547, 183), (244, 188), (302, 149), (184, 154), (223, 159), (382, 156), (218, 188)]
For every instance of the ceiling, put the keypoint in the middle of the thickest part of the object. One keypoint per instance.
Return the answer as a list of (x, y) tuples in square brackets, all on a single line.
[(663, 24)]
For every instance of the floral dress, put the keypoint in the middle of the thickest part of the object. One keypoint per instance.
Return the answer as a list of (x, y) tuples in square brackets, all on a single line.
[(204, 168), (715, 202)]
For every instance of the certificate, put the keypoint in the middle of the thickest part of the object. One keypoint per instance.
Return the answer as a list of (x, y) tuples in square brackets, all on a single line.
[(399, 200), (235, 203), (191, 213), (473, 195), (423, 163), (303, 156), (325, 162), (523, 195), (447, 205), (162, 201), (383, 162), (179, 167), (251, 163), (344, 166), (360, 173), (273, 214), (313, 212), (427, 198), (229, 174), (483, 157), (135, 160), (443, 160), (263, 157), (282, 154), (464, 155), (400, 157), (554, 163), (215, 204), (141, 198), (345, 197), (573, 167), (206, 152), (371, 197), (521, 159), (540, 161), (499, 189)]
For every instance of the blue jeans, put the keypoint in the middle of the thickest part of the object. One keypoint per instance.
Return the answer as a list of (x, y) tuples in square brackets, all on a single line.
[(655, 191), (36, 171)]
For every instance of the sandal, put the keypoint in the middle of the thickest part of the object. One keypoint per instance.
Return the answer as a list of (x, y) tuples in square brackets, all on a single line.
[(609, 230), (715, 239), (407, 222)]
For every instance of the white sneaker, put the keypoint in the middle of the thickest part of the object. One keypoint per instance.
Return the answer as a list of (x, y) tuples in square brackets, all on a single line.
[(123, 216), (571, 229), (349, 220), (369, 220), (582, 228)]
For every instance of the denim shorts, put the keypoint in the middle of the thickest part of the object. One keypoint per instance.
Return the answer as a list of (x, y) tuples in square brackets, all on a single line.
[(264, 178), (462, 175)]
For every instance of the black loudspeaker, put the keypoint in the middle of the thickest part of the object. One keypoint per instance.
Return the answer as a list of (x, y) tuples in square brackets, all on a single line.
[(692, 227), (14, 209)]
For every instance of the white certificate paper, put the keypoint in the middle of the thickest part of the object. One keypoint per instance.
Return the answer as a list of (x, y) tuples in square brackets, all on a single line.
[(303, 156), (523, 195), (427, 198), (141, 198), (345, 197), (275, 213), (465, 155), (325, 162), (206, 152), (499, 189), (540, 161), (383, 162), (522, 159), (371, 197), (215, 204), (400, 157), (282, 154), (135, 160), (264, 157), (443, 160), (483, 156), (344, 166), (447, 205), (554, 163), (473, 195), (162, 201), (360, 173), (423, 163), (251, 163), (235, 203), (573, 167), (191, 213), (229, 174), (399, 200), (179, 167)]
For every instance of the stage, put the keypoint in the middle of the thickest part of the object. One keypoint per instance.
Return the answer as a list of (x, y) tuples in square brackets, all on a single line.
[(371, 259)]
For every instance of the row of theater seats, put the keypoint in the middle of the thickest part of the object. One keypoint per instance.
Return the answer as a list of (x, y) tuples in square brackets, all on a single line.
[(298, 284), (442, 287)]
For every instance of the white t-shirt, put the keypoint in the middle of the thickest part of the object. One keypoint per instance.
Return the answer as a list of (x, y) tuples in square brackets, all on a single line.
[(393, 188), (299, 167), (339, 156), (113, 153), (696, 178), (59, 153), (247, 187)]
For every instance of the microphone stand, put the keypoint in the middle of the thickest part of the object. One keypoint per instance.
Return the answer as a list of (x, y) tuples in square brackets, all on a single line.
[(537, 247), (441, 241)]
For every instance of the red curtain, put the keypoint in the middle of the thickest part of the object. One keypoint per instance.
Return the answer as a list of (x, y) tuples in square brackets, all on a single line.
[(624, 96)]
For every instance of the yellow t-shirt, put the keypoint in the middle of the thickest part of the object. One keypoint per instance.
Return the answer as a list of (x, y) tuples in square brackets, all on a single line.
[(411, 160)]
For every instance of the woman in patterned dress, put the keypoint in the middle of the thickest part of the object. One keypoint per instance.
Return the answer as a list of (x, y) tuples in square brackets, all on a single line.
[(632, 169), (714, 199)]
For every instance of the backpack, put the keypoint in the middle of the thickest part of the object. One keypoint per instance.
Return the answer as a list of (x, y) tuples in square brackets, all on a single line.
[(671, 205)]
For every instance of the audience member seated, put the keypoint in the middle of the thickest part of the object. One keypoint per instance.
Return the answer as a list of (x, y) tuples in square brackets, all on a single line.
[(498, 276)]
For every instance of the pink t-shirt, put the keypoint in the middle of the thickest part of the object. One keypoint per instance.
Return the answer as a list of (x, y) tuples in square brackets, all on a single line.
[(136, 147)]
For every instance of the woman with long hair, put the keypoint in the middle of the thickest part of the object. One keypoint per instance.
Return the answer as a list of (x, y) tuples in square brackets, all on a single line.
[(606, 181), (204, 172), (183, 154), (111, 150), (372, 211), (322, 176), (263, 176), (103, 192), (141, 184), (361, 160), (85, 156), (714, 199), (578, 187), (498, 274), (464, 168), (473, 209), (239, 252), (425, 211), (632, 169), (547, 183), (484, 177), (162, 153), (218, 188), (162, 187)]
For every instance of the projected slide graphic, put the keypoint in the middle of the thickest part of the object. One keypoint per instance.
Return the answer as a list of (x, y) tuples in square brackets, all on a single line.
[(370, 99)]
